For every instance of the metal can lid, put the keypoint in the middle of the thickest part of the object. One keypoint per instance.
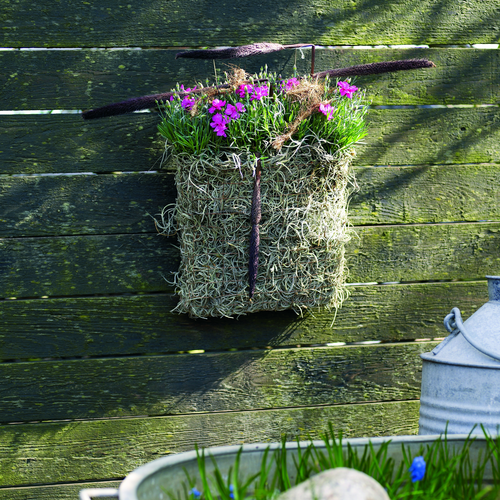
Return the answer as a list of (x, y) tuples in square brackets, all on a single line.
[(481, 331)]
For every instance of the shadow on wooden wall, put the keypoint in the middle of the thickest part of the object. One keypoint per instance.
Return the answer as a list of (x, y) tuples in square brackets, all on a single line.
[(98, 376)]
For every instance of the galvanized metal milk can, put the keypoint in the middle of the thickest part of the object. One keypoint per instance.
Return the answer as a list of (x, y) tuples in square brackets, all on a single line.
[(461, 376)]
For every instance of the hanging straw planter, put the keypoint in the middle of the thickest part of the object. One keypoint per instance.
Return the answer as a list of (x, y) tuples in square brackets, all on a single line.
[(263, 179), (262, 192), (302, 232)]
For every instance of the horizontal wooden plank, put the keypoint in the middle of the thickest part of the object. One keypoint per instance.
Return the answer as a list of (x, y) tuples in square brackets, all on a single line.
[(76, 265), (227, 381), (127, 203), (431, 136), (194, 23), (441, 193), (65, 143), (83, 204), (142, 324), (86, 265), (51, 492), (95, 450), (40, 144), (82, 79), (424, 252)]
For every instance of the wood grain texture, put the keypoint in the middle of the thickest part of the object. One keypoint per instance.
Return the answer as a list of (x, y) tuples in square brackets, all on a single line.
[(228, 381), (67, 144), (51, 492), (87, 265), (142, 324), (196, 23), (89, 244), (443, 193), (83, 204), (424, 252), (83, 79), (127, 203), (93, 450), (431, 136), (77, 265)]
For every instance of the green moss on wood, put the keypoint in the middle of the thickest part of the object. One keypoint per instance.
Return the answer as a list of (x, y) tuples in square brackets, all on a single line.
[(431, 136), (82, 204), (185, 383), (51, 492), (445, 193), (424, 252), (87, 78), (96, 450), (194, 23), (78, 265)]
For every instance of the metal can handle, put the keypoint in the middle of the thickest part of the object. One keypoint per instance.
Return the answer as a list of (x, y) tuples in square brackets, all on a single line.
[(90, 493), (453, 323), (449, 320)]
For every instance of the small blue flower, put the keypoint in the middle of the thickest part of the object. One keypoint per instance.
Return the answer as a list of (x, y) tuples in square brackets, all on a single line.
[(417, 469), (195, 492), (231, 489)]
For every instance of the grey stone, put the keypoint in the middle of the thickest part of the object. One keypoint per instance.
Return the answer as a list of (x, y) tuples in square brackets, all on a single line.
[(340, 483)]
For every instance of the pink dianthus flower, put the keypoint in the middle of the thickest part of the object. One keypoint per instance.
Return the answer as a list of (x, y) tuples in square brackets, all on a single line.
[(187, 103), (327, 110), (219, 123), (346, 89), (243, 89), (292, 82), (221, 131), (217, 105), (259, 93), (234, 111)]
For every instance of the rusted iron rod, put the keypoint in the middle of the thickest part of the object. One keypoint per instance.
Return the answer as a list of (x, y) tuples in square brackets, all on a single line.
[(255, 218), (150, 101), (241, 51)]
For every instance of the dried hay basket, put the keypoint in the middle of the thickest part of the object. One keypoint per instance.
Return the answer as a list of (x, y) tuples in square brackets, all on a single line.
[(303, 231)]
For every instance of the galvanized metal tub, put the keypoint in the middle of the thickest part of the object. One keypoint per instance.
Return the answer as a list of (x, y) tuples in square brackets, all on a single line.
[(461, 376), (146, 482)]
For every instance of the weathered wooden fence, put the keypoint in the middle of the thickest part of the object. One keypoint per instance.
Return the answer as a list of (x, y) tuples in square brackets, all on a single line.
[(97, 376)]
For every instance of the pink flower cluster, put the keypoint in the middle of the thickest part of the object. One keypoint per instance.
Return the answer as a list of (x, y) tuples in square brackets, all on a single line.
[(222, 117), (219, 123), (327, 110), (256, 93), (187, 103), (289, 84), (346, 89)]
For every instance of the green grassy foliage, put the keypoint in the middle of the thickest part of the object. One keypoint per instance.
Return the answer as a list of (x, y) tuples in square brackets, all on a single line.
[(272, 107), (449, 473)]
